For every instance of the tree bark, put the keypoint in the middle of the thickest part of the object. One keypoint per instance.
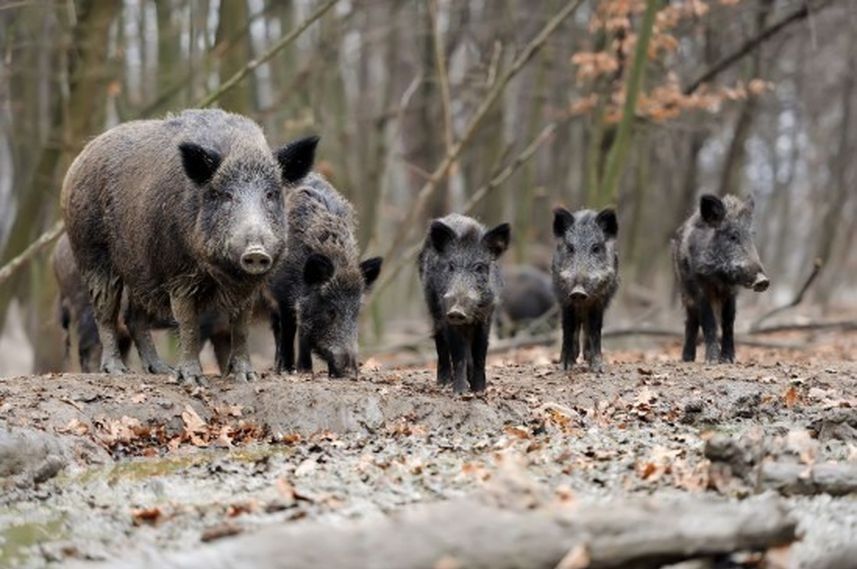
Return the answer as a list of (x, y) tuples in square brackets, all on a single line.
[(477, 535)]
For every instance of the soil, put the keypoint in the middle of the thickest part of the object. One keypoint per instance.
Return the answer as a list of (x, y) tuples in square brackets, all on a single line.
[(94, 468)]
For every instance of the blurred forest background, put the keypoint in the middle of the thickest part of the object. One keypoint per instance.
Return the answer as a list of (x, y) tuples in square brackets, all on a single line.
[(502, 108)]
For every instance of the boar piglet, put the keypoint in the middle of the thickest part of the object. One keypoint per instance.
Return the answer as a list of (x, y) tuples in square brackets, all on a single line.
[(585, 272), (319, 285), (184, 214), (527, 295), (714, 254), (462, 283)]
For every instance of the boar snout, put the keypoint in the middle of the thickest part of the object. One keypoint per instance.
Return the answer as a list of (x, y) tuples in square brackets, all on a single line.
[(578, 294), (460, 307), (340, 364), (255, 260), (761, 282)]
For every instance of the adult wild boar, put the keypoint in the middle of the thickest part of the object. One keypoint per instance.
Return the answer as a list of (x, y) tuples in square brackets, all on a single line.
[(585, 273), (186, 214), (714, 254), (320, 282), (527, 296), (461, 283)]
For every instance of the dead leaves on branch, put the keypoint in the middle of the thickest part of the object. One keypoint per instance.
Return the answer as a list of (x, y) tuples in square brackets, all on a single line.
[(604, 67)]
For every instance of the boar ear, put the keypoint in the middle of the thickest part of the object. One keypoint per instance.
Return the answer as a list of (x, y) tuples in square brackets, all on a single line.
[(441, 235), (199, 164), (318, 269), (562, 220), (296, 158), (606, 219), (711, 209), (371, 268), (497, 240)]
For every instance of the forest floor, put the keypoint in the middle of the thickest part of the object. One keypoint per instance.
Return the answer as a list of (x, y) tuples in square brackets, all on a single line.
[(101, 468)]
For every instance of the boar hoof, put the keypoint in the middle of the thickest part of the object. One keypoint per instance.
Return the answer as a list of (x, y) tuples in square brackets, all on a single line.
[(189, 374), (727, 358), (241, 371), (158, 368), (114, 367), (443, 379), (596, 367)]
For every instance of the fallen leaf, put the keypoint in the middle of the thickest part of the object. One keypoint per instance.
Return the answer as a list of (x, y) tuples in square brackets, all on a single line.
[(220, 531), (75, 427), (146, 516), (139, 398), (192, 421)]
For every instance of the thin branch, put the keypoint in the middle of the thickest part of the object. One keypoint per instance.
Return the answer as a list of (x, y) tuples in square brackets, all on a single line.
[(619, 149), (271, 52), (442, 75), (526, 154), (31, 251), (748, 46), (816, 269)]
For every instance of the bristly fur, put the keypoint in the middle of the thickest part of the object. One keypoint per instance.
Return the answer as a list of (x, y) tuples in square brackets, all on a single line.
[(714, 254), (585, 271), (462, 282), (166, 209), (320, 281)]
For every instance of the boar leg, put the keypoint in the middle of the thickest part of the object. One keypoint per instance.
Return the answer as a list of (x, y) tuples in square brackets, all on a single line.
[(691, 332), (594, 321), (105, 290), (459, 350), (304, 354), (444, 365), (479, 351), (709, 330), (88, 344), (288, 327), (186, 314), (222, 344), (727, 322), (138, 327), (239, 367), (570, 337)]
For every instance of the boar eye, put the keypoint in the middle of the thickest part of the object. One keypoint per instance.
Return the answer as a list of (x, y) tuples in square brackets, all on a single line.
[(450, 266), (570, 248), (272, 195), (480, 268), (220, 196), (733, 237), (597, 248)]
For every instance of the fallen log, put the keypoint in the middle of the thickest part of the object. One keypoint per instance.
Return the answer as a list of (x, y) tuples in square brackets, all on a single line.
[(473, 534), (793, 479)]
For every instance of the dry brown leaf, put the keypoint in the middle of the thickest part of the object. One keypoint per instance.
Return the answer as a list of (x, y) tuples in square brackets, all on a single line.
[(149, 516), (192, 421), (791, 397), (517, 431), (75, 427), (138, 398)]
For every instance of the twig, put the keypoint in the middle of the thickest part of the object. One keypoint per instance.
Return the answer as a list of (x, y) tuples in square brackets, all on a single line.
[(27, 254), (452, 154), (751, 44), (408, 255), (816, 269), (271, 52), (442, 76)]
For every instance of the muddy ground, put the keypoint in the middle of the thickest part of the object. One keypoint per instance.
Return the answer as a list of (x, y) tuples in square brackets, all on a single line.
[(96, 468)]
